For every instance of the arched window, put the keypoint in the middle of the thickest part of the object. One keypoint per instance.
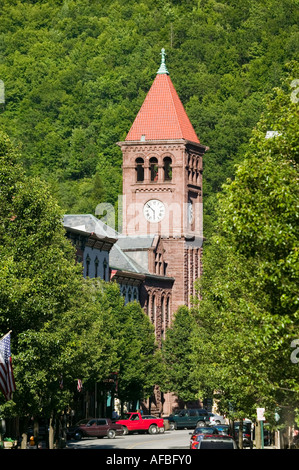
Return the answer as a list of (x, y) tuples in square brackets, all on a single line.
[(139, 169), (96, 266), (168, 312), (167, 169), (87, 265), (147, 305), (153, 309), (135, 293), (154, 168), (162, 317), (158, 264), (165, 269), (105, 265), (129, 294)]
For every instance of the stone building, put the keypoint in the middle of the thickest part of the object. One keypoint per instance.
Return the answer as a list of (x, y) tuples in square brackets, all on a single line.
[(93, 241), (162, 190), (162, 226), (157, 255)]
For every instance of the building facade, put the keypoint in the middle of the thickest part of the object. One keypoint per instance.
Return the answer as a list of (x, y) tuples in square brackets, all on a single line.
[(93, 241), (156, 257), (162, 226), (162, 188)]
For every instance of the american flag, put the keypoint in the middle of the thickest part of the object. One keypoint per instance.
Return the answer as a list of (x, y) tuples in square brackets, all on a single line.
[(79, 385), (7, 381)]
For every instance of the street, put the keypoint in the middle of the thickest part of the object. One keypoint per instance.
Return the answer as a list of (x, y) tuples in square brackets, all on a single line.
[(172, 440)]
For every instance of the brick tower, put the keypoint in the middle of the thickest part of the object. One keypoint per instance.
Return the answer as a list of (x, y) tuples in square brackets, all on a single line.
[(162, 185)]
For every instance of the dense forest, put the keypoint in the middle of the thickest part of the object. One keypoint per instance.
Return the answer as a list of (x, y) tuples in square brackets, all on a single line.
[(73, 75), (76, 73)]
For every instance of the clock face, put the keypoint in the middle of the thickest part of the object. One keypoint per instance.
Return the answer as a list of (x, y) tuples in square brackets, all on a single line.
[(154, 210)]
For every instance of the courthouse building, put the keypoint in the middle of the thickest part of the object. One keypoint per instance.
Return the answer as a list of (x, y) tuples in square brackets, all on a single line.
[(157, 256)]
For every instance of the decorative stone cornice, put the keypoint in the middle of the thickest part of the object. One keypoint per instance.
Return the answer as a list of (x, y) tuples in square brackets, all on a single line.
[(154, 189)]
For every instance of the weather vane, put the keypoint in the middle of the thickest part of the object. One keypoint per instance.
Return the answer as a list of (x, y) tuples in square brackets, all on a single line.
[(162, 68)]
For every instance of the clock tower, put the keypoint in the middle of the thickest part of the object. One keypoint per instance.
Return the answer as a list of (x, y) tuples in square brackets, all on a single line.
[(162, 185)]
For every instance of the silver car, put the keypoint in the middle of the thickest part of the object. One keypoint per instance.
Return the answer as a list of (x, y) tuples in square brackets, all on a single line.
[(216, 419), (220, 442)]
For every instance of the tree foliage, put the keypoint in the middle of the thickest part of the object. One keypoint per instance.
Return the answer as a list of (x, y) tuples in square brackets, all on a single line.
[(248, 316), (63, 326), (77, 72), (261, 204), (176, 356), (133, 336)]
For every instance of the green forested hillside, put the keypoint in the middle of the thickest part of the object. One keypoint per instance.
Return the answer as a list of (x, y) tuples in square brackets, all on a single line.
[(77, 71)]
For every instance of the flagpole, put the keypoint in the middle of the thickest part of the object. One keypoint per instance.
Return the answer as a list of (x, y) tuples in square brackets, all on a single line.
[(1, 440), (6, 335)]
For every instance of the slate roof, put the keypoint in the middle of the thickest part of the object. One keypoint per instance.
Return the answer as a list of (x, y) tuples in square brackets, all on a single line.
[(89, 223), (118, 259), (136, 242)]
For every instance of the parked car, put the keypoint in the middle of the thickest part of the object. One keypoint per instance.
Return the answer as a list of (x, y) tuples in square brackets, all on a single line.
[(247, 441), (216, 419), (188, 418), (199, 433), (217, 442), (223, 429), (163, 428), (95, 427)]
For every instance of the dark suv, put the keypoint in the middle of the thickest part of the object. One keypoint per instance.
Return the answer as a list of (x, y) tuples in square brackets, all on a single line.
[(189, 418)]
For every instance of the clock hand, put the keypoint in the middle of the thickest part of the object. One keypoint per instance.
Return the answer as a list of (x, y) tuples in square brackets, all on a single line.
[(151, 208)]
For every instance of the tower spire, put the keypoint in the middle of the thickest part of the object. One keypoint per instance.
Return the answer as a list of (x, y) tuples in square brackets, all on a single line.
[(163, 68)]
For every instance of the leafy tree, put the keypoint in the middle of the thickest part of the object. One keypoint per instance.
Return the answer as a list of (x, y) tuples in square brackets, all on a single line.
[(261, 203), (133, 335), (176, 356), (230, 359), (248, 314), (58, 333)]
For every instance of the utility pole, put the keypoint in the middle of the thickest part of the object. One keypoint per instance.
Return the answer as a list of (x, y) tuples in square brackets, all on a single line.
[(258, 435), (95, 399), (259, 428)]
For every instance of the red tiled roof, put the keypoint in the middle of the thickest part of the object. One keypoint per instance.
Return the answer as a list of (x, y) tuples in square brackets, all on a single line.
[(162, 115)]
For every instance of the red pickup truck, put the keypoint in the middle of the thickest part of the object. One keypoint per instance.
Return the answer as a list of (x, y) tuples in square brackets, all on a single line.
[(137, 422)]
